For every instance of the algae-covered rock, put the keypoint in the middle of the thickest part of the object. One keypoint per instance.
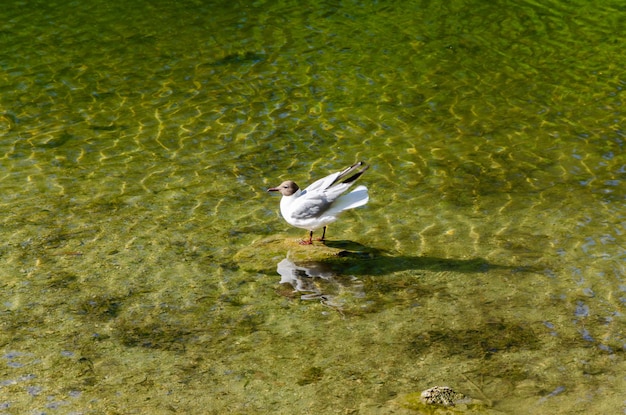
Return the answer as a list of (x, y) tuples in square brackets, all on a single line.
[(328, 272), (442, 395), (441, 400), (265, 254)]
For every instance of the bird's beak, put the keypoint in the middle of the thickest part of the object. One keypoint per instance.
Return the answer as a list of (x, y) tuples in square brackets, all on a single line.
[(273, 189)]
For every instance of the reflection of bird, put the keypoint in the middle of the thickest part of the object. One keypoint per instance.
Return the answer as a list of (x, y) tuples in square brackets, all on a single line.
[(319, 281), (301, 278), (321, 202)]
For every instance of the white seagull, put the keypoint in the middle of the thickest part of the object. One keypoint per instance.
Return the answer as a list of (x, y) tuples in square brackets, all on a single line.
[(321, 202)]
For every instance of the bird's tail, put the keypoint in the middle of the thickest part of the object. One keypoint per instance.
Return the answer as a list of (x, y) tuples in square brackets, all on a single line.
[(357, 197)]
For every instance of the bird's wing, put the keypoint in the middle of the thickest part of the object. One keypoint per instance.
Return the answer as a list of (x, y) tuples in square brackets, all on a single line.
[(321, 194), (309, 205), (321, 184)]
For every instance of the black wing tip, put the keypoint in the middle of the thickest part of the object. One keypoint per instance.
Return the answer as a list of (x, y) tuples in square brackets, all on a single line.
[(363, 164), (348, 177)]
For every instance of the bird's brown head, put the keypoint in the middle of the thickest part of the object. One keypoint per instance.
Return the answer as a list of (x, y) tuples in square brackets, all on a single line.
[(287, 188)]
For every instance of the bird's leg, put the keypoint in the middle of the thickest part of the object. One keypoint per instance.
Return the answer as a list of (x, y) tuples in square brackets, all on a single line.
[(310, 241), (323, 234)]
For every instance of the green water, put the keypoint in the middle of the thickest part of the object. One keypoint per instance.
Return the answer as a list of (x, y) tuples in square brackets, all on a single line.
[(140, 249)]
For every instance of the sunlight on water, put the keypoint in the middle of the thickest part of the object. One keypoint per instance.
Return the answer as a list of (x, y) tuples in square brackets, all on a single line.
[(147, 270)]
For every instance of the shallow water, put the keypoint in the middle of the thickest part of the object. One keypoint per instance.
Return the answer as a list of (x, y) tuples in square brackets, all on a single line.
[(140, 248)]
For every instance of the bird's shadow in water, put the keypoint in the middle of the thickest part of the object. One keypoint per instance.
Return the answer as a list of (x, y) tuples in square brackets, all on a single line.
[(341, 273), (363, 260)]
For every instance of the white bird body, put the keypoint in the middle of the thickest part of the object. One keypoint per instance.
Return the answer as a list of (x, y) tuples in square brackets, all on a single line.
[(320, 203)]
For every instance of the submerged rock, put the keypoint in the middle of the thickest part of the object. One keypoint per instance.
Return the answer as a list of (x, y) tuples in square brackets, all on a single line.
[(442, 395), (264, 255), (442, 400), (326, 272)]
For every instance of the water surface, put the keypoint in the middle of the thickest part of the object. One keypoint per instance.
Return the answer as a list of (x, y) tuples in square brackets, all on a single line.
[(140, 249)]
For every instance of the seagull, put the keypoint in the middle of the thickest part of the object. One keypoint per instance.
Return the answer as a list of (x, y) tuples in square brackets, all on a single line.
[(321, 202)]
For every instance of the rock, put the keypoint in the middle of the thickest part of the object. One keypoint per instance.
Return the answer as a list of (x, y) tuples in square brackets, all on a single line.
[(442, 395), (265, 254)]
